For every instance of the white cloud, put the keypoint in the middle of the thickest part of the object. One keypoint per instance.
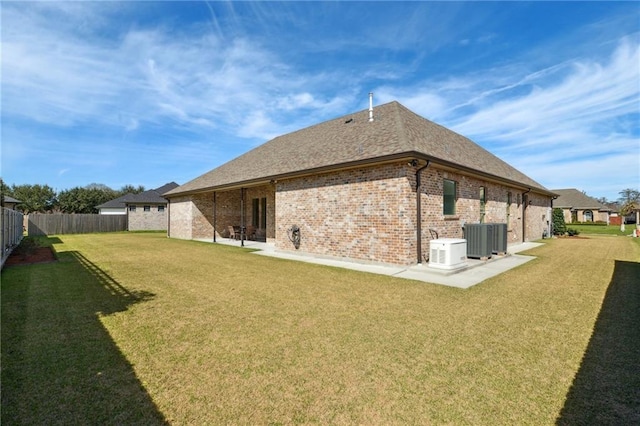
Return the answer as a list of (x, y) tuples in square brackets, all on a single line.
[(215, 82), (591, 93), (575, 122), (154, 76)]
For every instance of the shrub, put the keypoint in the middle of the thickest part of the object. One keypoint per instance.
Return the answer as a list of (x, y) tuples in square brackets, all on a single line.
[(559, 226), (571, 232)]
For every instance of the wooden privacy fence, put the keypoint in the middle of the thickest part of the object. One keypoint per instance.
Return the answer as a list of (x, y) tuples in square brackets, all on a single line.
[(56, 224), (12, 232)]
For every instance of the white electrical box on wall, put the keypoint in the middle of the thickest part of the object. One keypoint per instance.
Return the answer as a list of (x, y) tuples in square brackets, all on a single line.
[(448, 253)]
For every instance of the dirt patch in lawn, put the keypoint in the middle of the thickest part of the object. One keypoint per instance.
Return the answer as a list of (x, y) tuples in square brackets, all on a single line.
[(31, 256)]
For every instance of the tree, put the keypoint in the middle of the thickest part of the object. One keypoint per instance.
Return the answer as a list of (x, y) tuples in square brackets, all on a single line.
[(559, 225), (629, 200), (85, 200), (34, 198), (130, 189), (4, 190), (629, 196)]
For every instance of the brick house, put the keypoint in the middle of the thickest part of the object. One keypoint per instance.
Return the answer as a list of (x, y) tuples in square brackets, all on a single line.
[(146, 211), (349, 185), (579, 207)]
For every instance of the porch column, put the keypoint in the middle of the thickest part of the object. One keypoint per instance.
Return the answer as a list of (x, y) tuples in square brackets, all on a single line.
[(215, 228), (242, 217)]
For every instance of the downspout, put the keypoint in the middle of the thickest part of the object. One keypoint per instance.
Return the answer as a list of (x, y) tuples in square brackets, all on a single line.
[(525, 203), (215, 227), (550, 227), (168, 217), (419, 211)]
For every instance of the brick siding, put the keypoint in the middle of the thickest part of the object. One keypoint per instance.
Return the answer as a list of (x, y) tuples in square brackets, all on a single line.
[(192, 217), (597, 216), (153, 220), (180, 218), (368, 214), (365, 214)]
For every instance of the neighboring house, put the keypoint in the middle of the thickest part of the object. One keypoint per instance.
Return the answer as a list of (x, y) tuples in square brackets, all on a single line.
[(349, 186), (579, 207), (634, 215), (10, 202), (146, 211), (115, 206)]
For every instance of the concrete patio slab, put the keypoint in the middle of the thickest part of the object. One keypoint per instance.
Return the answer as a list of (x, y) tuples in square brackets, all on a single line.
[(474, 273)]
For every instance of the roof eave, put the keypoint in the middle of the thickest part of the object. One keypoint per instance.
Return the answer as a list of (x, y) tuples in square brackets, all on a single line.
[(360, 163)]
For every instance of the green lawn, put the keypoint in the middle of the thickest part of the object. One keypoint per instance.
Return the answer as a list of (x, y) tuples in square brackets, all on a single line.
[(141, 329), (602, 229)]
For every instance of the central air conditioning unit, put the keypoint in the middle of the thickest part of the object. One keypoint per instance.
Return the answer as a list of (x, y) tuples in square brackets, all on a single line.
[(499, 238), (479, 238), (448, 253)]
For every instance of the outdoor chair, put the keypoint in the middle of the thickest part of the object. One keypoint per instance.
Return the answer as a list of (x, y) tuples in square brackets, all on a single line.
[(233, 233)]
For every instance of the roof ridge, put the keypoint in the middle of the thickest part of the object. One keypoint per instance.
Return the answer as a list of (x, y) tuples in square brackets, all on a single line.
[(400, 124)]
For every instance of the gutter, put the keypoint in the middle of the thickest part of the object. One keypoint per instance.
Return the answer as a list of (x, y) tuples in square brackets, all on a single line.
[(405, 156)]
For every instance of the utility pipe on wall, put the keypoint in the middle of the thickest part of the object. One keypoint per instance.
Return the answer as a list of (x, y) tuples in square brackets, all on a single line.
[(215, 227), (419, 209), (525, 203)]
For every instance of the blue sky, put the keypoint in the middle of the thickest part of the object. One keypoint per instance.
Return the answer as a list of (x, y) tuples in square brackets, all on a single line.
[(146, 93)]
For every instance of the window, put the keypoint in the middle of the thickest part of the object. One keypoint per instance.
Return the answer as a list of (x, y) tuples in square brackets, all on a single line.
[(147, 208), (160, 208), (132, 208), (588, 216), (508, 207), (449, 198), (483, 202)]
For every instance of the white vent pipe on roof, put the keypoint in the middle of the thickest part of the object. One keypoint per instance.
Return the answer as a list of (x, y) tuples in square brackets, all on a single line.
[(370, 106)]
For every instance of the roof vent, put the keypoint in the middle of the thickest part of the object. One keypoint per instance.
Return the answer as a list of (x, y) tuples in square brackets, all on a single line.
[(370, 106), (349, 121)]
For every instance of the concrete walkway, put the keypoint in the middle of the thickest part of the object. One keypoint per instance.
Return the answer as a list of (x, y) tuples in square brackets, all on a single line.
[(474, 273)]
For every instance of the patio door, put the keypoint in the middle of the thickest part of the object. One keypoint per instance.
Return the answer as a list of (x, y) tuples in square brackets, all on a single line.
[(259, 213)]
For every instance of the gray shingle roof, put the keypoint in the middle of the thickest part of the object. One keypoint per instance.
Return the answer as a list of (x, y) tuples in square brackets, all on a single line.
[(152, 196), (9, 199), (166, 187), (572, 198), (119, 202), (395, 133)]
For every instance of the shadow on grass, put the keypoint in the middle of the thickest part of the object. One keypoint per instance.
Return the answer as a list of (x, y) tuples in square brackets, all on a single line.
[(606, 389), (59, 364)]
